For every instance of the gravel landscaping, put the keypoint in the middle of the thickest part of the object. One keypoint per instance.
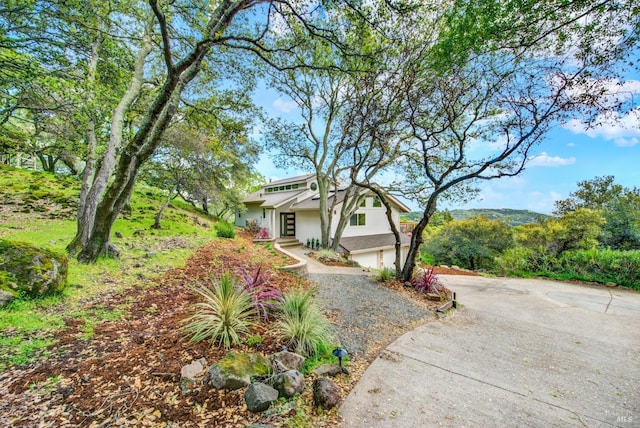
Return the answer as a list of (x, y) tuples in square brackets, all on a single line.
[(366, 315)]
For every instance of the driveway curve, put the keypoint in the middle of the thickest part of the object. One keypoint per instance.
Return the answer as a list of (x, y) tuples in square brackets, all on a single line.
[(521, 352)]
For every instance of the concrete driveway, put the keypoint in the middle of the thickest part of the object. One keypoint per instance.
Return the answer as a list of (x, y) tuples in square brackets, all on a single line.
[(531, 353)]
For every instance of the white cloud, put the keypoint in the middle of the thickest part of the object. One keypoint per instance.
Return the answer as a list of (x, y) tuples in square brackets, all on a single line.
[(623, 131), (543, 159), (284, 106), (571, 144)]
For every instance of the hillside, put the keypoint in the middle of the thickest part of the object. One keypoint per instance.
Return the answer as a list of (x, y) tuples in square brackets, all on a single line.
[(511, 216)]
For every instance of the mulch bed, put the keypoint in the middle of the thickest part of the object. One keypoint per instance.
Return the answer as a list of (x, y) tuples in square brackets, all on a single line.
[(129, 372)]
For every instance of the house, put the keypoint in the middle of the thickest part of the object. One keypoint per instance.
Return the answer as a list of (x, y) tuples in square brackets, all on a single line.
[(290, 208)]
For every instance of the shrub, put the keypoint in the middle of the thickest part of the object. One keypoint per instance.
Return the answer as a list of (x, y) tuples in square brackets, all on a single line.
[(256, 283), (252, 227), (386, 274), (225, 230), (328, 254), (515, 261), (427, 282), (225, 315), (263, 233), (471, 243), (620, 267), (301, 323)]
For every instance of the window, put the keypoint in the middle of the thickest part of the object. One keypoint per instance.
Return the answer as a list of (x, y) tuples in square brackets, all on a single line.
[(313, 186), (264, 213), (357, 220), (377, 203)]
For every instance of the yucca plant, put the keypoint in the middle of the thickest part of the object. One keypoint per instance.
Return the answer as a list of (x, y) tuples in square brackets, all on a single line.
[(224, 317), (301, 323)]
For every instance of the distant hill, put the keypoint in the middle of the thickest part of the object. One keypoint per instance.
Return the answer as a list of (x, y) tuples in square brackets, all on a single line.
[(511, 216)]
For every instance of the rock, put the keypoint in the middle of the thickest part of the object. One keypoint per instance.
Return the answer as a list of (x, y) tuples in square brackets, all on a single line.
[(285, 360), (326, 393), (259, 397), (31, 271), (433, 297), (289, 383), (234, 371), (191, 372), (118, 234), (5, 298), (327, 370), (611, 284)]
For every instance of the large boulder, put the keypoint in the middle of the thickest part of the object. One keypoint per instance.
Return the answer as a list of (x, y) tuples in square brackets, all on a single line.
[(289, 383), (285, 360), (259, 397), (326, 393), (234, 371), (30, 271)]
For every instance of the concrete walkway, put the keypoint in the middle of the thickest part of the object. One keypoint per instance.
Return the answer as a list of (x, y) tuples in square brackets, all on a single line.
[(531, 353)]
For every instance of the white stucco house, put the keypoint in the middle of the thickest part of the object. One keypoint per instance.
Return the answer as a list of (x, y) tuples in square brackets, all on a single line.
[(290, 209)]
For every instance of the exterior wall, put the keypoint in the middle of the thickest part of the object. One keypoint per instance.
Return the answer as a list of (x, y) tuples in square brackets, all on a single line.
[(307, 225), (264, 217), (375, 220), (372, 260), (369, 259)]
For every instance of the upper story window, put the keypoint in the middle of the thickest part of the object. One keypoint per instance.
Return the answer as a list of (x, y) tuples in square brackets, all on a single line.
[(358, 220), (313, 186), (377, 203), (282, 188)]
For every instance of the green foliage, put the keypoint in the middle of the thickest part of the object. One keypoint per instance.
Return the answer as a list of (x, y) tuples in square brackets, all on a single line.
[(328, 254), (225, 230), (515, 261), (576, 230), (301, 323), (385, 274), (619, 206), (471, 243), (603, 266), (225, 315)]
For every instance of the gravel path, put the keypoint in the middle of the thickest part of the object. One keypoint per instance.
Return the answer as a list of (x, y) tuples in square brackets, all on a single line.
[(366, 315)]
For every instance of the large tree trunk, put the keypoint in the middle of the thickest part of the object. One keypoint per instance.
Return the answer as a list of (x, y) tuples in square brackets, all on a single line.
[(417, 240), (93, 190), (349, 206), (326, 215)]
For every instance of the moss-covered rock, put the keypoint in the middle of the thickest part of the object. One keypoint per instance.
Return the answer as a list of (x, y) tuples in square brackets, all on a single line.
[(30, 271), (234, 371)]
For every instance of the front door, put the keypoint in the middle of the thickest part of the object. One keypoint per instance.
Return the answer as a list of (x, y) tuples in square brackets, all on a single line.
[(287, 224)]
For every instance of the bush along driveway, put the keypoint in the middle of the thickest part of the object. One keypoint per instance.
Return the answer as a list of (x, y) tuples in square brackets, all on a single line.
[(519, 353)]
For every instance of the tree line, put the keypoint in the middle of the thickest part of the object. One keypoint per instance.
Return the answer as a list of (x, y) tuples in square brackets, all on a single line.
[(594, 235), (440, 93)]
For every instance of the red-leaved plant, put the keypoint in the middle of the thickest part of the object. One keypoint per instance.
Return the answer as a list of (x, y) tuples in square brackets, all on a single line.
[(263, 233), (427, 282), (256, 283)]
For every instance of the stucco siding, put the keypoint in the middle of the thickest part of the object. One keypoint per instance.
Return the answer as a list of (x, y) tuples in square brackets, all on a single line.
[(307, 225), (369, 259)]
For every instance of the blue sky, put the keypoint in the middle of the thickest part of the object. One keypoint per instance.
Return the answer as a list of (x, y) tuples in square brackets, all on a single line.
[(569, 154)]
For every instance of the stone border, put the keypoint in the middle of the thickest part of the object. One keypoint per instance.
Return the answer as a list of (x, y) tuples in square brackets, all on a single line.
[(299, 268)]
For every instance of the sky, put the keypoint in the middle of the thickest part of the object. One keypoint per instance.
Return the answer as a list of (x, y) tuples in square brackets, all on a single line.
[(569, 154)]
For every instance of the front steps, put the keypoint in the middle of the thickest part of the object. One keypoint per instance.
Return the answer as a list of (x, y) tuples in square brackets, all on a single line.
[(288, 242)]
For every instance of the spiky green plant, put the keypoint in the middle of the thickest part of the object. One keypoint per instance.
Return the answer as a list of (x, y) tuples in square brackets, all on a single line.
[(385, 274), (301, 323), (225, 315)]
